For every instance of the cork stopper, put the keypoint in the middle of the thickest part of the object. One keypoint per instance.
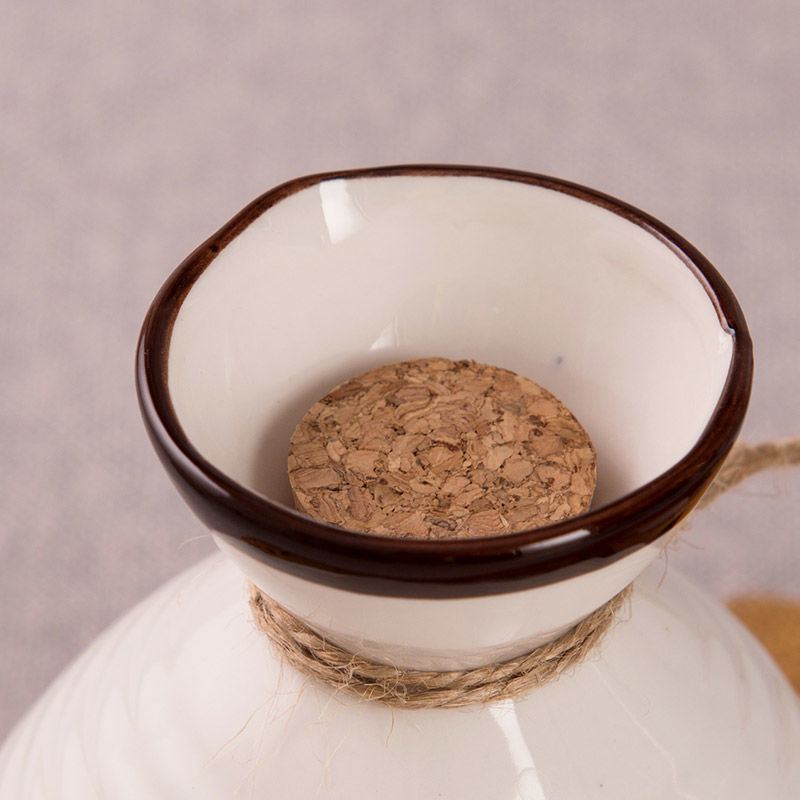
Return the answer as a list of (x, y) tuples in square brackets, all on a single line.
[(433, 449)]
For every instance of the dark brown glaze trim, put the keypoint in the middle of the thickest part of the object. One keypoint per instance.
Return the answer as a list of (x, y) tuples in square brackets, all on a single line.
[(355, 561)]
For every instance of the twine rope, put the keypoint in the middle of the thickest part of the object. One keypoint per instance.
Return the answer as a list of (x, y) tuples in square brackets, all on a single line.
[(745, 460), (344, 671)]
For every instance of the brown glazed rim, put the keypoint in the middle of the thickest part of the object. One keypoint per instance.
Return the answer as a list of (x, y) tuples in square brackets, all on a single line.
[(328, 554)]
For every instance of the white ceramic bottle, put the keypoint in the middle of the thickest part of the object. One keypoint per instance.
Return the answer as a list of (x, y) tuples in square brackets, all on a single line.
[(321, 279)]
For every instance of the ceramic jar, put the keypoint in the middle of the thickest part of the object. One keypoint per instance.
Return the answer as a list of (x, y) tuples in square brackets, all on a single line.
[(324, 278)]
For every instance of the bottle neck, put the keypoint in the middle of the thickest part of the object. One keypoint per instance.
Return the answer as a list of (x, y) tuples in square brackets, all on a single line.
[(441, 634)]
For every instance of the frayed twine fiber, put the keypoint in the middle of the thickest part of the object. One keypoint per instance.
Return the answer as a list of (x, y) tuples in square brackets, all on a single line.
[(347, 672), (745, 460)]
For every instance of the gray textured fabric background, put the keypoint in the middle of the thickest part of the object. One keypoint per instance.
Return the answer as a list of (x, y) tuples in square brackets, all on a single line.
[(130, 132)]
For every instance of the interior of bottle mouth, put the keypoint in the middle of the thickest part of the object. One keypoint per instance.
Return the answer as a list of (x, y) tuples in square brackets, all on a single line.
[(351, 273)]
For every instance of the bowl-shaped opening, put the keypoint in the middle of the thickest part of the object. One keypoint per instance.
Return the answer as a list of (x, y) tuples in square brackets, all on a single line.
[(329, 276)]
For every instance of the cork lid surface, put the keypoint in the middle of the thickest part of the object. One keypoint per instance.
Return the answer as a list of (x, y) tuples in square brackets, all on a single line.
[(432, 448)]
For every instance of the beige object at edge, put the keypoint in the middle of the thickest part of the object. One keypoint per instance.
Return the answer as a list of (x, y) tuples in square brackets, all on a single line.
[(433, 448)]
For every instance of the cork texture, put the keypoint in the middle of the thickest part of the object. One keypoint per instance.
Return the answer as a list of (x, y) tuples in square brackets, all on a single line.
[(432, 448)]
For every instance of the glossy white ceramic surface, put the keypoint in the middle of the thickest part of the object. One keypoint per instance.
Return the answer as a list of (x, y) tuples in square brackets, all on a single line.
[(351, 273), (183, 698)]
